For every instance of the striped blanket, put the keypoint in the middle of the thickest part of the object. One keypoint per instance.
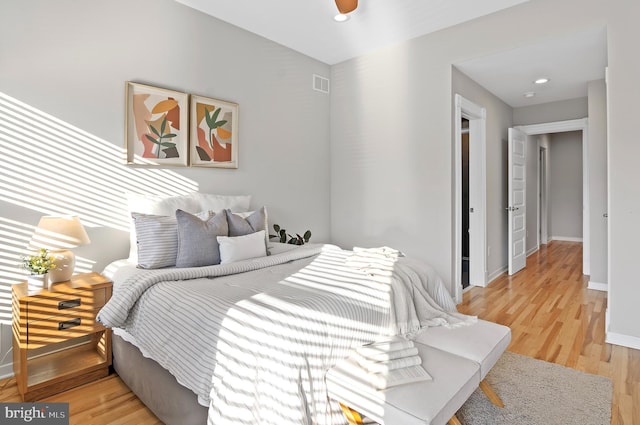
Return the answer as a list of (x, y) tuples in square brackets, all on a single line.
[(254, 339)]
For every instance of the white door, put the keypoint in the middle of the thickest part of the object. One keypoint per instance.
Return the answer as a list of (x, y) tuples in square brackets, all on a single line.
[(517, 196)]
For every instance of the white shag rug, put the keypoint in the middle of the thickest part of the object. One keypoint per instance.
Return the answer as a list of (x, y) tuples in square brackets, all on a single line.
[(536, 392)]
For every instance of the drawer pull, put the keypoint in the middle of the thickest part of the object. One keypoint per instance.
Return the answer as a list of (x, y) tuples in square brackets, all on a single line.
[(68, 324), (63, 305)]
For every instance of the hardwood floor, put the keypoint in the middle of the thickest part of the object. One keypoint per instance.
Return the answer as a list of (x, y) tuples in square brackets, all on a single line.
[(552, 315)]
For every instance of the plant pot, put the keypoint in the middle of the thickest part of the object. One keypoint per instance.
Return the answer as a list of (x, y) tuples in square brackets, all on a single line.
[(38, 281)]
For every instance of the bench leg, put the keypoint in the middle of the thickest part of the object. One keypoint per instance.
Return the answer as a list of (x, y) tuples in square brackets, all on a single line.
[(454, 421), (490, 393), (353, 417)]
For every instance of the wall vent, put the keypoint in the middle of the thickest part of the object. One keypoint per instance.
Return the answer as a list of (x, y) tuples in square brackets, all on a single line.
[(320, 84)]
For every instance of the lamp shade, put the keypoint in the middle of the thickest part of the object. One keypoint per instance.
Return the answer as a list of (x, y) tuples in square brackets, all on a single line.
[(59, 232)]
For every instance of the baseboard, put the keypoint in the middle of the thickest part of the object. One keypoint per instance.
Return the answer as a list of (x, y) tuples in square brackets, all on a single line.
[(623, 340), (598, 286), (6, 371), (564, 238), (532, 251), (493, 276)]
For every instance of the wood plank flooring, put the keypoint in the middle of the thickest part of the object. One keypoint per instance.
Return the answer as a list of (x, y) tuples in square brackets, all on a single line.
[(552, 315)]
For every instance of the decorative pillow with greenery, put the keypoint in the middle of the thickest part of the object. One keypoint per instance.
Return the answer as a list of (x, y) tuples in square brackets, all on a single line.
[(40, 263), (284, 237)]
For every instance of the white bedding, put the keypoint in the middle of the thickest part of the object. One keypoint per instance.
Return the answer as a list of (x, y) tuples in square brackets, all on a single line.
[(255, 342)]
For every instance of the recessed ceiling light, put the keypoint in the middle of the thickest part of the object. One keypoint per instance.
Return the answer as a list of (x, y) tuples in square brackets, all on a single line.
[(341, 17), (541, 81), (529, 94)]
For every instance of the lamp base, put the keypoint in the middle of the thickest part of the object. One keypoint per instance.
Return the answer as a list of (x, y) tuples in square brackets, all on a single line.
[(65, 262)]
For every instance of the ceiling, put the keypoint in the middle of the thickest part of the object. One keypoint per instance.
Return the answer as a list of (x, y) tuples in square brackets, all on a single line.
[(570, 62), (307, 26)]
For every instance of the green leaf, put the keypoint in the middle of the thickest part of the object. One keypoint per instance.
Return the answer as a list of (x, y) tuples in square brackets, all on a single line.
[(152, 139), (169, 136), (283, 238), (214, 117), (163, 126), (307, 235), (220, 123), (154, 130), (276, 228), (210, 122), (168, 145)]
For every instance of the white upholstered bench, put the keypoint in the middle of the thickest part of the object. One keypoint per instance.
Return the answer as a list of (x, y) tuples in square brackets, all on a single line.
[(457, 359), (483, 343)]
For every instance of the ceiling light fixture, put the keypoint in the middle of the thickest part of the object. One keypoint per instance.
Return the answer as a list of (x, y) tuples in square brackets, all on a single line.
[(541, 81), (529, 94), (341, 17)]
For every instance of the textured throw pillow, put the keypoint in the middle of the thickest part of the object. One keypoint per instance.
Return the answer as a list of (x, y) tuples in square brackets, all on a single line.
[(156, 239), (157, 205), (242, 247), (197, 243), (245, 223)]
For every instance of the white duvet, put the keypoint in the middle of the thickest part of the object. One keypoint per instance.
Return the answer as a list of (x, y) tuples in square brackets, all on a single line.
[(254, 339)]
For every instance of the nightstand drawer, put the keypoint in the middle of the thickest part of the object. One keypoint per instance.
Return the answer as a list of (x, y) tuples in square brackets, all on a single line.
[(61, 328), (45, 307)]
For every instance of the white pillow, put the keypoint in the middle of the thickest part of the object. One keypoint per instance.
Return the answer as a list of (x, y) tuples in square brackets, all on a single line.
[(216, 203), (236, 248)]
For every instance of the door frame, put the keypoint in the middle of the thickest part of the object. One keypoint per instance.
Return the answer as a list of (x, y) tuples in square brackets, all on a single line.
[(476, 115), (543, 193), (581, 124)]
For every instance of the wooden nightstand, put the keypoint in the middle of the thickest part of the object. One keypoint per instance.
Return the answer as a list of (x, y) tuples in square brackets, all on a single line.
[(57, 343)]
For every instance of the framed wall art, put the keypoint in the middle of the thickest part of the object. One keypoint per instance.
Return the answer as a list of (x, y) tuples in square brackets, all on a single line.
[(156, 126), (214, 133)]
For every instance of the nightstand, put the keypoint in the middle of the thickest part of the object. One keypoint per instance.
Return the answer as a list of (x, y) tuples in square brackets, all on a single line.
[(57, 343)]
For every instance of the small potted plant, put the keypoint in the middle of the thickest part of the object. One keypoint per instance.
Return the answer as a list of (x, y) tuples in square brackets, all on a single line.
[(38, 266), (284, 237)]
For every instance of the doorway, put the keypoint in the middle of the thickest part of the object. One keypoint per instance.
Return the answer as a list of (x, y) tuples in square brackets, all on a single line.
[(560, 127), (465, 202), (472, 234), (543, 191)]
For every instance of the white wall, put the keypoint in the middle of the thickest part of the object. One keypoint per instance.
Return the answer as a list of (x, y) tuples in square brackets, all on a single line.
[(562, 110), (565, 174), (598, 181), (63, 65), (391, 132)]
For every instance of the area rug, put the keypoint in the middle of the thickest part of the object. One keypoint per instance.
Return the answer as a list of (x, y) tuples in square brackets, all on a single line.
[(536, 392)]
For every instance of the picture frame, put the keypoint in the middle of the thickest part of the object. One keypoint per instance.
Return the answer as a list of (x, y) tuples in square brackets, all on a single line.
[(156, 126), (213, 133)]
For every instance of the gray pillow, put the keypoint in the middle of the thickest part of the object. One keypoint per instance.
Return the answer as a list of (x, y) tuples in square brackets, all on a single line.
[(197, 243), (246, 223)]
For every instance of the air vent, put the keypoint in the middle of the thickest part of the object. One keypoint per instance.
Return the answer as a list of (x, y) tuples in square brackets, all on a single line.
[(320, 84)]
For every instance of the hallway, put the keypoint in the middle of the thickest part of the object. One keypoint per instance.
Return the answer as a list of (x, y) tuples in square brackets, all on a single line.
[(554, 317)]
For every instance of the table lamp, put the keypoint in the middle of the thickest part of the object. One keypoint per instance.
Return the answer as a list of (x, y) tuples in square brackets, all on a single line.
[(59, 234)]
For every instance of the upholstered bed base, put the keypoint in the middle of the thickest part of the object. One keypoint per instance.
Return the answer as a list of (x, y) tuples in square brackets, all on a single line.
[(156, 387)]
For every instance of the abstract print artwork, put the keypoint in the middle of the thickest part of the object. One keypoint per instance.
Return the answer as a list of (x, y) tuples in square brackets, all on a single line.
[(214, 133), (156, 129)]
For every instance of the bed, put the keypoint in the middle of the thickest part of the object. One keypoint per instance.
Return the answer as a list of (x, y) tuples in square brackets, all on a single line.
[(250, 341)]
